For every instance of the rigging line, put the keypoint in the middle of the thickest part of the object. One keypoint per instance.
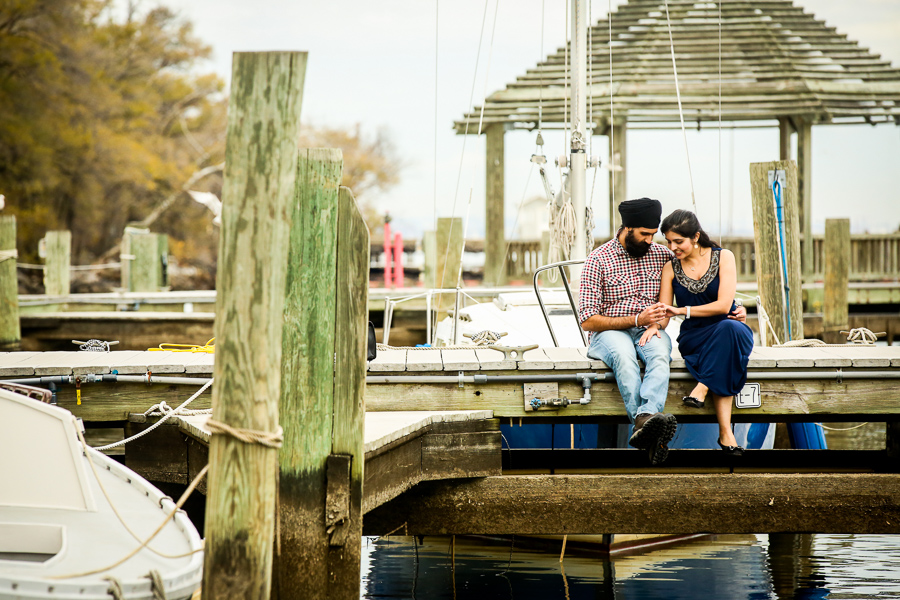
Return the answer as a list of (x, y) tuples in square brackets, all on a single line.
[(721, 233), (487, 71), (590, 85), (437, 7), (465, 137), (680, 109), (541, 88), (566, 85), (465, 233), (612, 143)]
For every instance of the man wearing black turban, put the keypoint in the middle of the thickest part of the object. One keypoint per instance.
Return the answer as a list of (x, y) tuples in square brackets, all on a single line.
[(619, 306)]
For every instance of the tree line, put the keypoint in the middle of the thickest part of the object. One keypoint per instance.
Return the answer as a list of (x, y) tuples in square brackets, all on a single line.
[(105, 117)]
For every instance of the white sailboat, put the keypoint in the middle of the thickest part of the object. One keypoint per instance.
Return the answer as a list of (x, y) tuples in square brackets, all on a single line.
[(75, 523)]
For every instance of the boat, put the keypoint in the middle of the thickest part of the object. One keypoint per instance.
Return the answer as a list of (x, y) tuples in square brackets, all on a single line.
[(75, 523)]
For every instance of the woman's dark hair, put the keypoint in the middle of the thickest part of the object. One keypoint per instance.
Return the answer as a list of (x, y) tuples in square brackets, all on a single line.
[(684, 222)]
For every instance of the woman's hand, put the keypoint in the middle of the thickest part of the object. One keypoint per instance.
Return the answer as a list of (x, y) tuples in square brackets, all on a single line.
[(649, 333), (672, 311)]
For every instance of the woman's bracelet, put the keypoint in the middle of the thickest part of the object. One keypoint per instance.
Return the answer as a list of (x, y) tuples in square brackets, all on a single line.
[(688, 315)]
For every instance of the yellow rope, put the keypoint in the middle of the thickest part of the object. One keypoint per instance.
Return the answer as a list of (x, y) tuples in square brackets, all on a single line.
[(208, 347)]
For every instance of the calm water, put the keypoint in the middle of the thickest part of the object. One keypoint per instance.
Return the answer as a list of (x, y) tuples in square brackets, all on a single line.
[(726, 567)]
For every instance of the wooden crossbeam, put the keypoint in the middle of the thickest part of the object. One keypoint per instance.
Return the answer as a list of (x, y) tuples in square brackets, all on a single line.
[(669, 503)]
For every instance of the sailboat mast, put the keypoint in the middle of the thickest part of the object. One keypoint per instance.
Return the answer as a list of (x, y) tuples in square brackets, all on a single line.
[(578, 144)]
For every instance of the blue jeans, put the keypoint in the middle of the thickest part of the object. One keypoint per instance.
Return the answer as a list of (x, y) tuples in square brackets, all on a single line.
[(619, 349)]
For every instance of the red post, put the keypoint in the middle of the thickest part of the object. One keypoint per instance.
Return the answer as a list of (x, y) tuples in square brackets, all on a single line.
[(388, 278), (398, 260)]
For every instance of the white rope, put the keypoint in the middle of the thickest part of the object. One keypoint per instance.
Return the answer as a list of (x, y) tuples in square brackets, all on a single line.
[(437, 7), (158, 423), (162, 409), (8, 254), (859, 336), (269, 439), (680, 110), (823, 426)]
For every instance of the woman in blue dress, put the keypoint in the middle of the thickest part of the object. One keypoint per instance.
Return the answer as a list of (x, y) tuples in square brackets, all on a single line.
[(702, 278)]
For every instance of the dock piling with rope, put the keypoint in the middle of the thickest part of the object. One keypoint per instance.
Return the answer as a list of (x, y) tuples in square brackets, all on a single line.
[(258, 196), (778, 245), (10, 333), (837, 278)]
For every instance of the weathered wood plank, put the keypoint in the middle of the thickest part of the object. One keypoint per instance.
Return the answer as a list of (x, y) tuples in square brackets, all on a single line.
[(352, 287), (596, 364), (460, 360), (567, 358), (389, 361), (593, 504), (307, 373), (792, 400), (257, 197), (424, 360)]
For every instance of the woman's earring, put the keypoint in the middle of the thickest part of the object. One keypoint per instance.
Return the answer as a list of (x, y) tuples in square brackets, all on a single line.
[(695, 246)]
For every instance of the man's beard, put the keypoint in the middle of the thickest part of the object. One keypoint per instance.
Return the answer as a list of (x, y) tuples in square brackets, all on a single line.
[(635, 248)]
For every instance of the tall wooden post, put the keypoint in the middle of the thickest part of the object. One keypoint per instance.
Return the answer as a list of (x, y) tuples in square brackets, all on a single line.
[(10, 334), (837, 278), (768, 251), (323, 376), (429, 249), (449, 242), (146, 266), (57, 263), (257, 195), (785, 129), (617, 163), (804, 189), (494, 234)]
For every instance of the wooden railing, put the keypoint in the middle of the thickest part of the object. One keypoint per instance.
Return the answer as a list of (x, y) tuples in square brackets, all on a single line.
[(873, 257)]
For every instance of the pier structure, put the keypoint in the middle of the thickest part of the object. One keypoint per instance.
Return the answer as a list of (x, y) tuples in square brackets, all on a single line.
[(435, 462)]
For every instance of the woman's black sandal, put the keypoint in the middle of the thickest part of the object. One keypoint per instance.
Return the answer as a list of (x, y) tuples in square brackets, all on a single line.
[(731, 450), (691, 401)]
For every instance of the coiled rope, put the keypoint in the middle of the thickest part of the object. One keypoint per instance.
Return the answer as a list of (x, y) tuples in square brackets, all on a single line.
[(165, 418), (268, 439), (859, 336)]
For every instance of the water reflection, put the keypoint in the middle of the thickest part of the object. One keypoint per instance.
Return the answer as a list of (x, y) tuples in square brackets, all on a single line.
[(785, 566)]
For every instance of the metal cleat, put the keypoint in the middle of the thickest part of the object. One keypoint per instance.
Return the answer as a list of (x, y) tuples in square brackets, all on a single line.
[(516, 353)]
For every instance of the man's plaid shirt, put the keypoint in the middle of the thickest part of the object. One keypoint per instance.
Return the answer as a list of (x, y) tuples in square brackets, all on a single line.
[(615, 284)]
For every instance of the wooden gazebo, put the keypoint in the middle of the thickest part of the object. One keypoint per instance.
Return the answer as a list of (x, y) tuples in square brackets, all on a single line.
[(779, 65)]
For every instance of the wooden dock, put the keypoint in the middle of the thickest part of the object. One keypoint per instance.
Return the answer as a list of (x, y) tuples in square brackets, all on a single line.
[(435, 463)]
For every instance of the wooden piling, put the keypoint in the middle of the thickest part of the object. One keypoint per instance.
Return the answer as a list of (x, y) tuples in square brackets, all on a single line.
[(10, 334), (258, 192), (494, 235), (57, 263), (617, 159), (322, 384), (147, 265), (429, 249), (837, 277), (449, 242), (804, 194), (768, 250)]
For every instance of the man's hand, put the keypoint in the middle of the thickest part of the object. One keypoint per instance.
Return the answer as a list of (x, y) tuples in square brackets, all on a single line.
[(652, 314), (738, 314)]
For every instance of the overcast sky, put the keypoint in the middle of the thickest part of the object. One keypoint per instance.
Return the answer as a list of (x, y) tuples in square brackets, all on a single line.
[(373, 63)]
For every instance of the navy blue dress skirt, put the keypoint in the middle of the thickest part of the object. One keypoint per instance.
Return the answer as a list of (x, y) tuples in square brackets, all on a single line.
[(715, 349)]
